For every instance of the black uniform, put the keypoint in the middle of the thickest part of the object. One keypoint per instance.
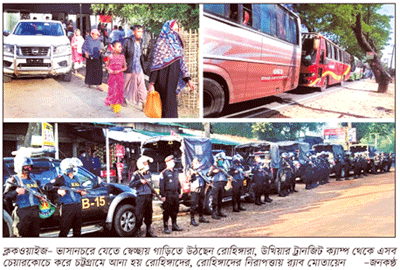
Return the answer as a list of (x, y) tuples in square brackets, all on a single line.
[(237, 186), (197, 194), (170, 188), (220, 179), (144, 201), (71, 206), (338, 169), (346, 165), (285, 175), (26, 220), (357, 167)]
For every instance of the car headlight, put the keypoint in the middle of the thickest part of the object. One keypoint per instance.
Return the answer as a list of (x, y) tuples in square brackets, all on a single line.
[(8, 49), (63, 49)]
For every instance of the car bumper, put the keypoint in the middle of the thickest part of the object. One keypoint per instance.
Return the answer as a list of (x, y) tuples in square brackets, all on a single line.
[(19, 67)]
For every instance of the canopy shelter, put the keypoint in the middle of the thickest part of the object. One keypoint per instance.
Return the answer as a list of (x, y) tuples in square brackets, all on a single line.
[(50, 8)]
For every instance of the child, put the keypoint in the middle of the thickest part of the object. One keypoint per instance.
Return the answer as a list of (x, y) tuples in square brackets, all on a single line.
[(76, 43), (115, 66)]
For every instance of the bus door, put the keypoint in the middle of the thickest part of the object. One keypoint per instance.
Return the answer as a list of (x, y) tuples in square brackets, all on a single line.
[(321, 54)]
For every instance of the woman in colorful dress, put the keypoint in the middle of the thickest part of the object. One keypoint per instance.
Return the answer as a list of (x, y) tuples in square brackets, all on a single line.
[(169, 73)]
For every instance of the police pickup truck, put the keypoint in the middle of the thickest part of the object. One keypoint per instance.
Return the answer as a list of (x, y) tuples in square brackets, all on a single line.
[(106, 205), (37, 48)]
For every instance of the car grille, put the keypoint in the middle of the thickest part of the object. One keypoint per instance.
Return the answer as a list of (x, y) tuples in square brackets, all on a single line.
[(34, 65), (35, 51)]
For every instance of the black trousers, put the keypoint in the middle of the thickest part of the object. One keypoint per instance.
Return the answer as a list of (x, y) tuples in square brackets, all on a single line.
[(346, 170), (29, 221), (171, 206), (237, 187), (71, 217), (218, 193), (144, 210), (197, 202)]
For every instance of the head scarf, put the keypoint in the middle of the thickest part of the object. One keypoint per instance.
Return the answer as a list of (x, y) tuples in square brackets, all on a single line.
[(92, 46), (168, 49)]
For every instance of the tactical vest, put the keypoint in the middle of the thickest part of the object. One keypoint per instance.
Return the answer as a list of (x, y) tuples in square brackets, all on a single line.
[(220, 176), (27, 199), (239, 175), (71, 196)]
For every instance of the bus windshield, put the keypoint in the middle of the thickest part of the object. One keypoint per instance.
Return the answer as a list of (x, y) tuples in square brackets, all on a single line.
[(308, 54), (38, 29)]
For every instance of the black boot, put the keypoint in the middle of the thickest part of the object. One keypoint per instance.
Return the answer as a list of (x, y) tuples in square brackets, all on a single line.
[(149, 232), (203, 220), (268, 199), (176, 228), (241, 208), (257, 201), (215, 215), (166, 229), (193, 221), (220, 214)]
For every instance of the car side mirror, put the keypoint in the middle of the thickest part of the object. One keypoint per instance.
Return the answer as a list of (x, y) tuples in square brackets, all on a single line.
[(6, 33)]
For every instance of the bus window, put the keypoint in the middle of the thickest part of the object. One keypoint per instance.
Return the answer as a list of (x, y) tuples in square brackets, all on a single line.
[(247, 15), (234, 12), (322, 58), (293, 36), (281, 24), (215, 8)]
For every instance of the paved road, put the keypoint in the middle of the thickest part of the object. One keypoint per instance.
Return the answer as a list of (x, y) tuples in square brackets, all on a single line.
[(49, 98)]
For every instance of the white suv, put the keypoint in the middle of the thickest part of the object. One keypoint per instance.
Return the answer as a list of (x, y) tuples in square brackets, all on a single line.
[(37, 48)]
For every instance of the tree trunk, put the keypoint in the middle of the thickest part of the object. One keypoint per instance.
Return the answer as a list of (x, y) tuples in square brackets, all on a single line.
[(381, 76)]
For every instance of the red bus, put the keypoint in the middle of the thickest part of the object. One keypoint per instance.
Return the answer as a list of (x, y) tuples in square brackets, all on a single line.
[(250, 51), (323, 63)]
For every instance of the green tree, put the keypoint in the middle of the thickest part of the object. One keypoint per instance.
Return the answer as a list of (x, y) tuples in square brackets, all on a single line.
[(358, 28), (283, 131), (152, 16)]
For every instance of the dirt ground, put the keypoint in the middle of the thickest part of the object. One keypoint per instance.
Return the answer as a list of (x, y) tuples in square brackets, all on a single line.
[(361, 207), (359, 100), (49, 98)]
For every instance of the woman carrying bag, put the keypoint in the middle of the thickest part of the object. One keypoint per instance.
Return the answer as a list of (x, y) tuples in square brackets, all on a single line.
[(169, 73)]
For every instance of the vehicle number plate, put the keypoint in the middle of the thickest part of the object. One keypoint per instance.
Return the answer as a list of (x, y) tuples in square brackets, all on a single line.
[(34, 61)]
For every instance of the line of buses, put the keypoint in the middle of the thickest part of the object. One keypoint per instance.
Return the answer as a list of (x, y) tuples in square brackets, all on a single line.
[(252, 51)]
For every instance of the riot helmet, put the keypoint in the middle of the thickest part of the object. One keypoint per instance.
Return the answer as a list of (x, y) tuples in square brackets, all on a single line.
[(70, 165), (23, 165)]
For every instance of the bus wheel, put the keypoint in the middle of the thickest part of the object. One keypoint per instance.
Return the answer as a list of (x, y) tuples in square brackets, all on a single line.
[(324, 85), (214, 97)]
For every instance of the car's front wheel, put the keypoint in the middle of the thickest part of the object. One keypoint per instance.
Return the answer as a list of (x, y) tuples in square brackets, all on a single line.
[(124, 220)]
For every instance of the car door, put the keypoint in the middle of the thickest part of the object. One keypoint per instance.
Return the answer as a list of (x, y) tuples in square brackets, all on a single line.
[(96, 202)]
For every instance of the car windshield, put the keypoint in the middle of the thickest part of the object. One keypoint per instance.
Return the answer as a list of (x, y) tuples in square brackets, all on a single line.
[(38, 29)]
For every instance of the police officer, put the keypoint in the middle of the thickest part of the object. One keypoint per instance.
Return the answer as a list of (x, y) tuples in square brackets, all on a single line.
[(284, 175), (292, 182), (338, 167), (308, 171), (170, 191), (357, 166), (364, 163), (237, 172), (268, 181), (70, 192), (141, 181), (346, 165), (220, 177), (19, 191), (197, 192)]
